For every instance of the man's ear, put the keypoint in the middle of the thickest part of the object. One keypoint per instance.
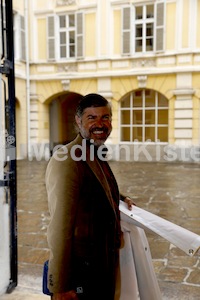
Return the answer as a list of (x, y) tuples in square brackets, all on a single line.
[(78, 121)]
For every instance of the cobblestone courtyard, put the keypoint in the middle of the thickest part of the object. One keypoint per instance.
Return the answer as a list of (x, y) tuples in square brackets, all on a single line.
[(171, 191)]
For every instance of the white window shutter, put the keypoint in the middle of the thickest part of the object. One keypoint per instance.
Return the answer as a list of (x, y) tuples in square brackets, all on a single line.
[(126, 30), (1, 44), (22, 38), (160, 23), (3, 33), (51, 37), (79, 35)]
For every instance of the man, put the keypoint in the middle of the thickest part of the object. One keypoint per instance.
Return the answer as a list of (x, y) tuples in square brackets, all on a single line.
[(84, 231)]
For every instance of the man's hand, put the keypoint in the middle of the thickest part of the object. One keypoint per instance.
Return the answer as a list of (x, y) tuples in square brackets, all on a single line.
[(129, 202), (71, 295)]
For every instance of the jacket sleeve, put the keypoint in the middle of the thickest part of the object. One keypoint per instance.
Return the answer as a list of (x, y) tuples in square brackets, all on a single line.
[(122, 197), (62, 182)]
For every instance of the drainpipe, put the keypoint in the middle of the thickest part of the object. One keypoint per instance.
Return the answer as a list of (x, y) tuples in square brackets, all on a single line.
[(26, 18)]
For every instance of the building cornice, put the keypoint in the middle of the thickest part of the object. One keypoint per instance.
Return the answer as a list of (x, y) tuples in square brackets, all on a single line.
[(117, 73), (42, 12)]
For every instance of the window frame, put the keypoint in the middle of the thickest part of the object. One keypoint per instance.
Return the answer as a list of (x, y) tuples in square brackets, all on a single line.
[(67, 30), (19, 37), (54, 40), (144, 21), (128, 44), (143, 126)]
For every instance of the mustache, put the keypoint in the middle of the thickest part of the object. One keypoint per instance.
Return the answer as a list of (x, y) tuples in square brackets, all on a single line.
[(104, 128)]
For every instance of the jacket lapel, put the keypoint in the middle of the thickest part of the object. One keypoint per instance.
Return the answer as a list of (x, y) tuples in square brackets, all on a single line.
[(96, 168)]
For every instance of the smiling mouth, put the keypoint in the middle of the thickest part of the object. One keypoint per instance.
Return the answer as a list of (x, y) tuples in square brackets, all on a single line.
[(98, 132)]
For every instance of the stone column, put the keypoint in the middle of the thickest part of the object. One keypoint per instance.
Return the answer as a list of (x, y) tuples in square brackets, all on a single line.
[(33, 126), (39, 143), (34, 119), (183, 116), (183, 122)]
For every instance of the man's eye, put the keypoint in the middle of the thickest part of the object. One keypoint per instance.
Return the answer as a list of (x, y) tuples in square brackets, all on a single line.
[(106, 118)]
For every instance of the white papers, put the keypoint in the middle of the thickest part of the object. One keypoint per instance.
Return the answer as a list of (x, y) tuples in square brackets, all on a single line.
[(137, 279), (182, 238)]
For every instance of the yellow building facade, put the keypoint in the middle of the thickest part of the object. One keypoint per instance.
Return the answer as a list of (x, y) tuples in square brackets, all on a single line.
[(143, 56)]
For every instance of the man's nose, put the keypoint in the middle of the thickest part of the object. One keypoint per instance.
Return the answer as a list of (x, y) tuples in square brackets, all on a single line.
[(99, 123)]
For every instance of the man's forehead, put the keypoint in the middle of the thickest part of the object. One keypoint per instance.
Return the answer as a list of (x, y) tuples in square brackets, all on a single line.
[(102, 110)]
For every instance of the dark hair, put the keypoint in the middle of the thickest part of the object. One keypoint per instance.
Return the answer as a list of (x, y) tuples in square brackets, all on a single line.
[(91, 100)]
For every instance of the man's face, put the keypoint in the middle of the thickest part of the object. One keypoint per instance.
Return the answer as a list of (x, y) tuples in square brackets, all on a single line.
[(95, 124)]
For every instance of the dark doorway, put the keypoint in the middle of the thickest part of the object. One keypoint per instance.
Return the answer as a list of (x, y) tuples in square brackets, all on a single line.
[(62, 112)]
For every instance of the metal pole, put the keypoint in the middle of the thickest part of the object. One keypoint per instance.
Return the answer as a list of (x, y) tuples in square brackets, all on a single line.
[(12, 133)]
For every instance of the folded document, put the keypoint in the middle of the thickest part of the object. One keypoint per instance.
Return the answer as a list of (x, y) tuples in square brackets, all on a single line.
[(182, 238)]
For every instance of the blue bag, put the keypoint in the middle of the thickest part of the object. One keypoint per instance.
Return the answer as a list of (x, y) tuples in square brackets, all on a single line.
[(45, 289)]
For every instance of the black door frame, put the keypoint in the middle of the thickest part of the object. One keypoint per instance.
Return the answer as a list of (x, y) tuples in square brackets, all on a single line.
[(10, 173)]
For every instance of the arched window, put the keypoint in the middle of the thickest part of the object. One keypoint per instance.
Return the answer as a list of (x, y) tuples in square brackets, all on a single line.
[(144, 117)]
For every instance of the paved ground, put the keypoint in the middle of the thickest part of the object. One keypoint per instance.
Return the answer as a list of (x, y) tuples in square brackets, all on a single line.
[(171, 191)]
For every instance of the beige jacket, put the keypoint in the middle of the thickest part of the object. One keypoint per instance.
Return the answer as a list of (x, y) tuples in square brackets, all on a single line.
[(84, 216)]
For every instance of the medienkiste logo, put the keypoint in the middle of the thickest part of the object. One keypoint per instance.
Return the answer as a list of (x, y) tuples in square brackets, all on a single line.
[(135, 152)]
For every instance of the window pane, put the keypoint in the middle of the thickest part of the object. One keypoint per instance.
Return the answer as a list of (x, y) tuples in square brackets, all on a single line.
[(138, 93), (138, 13), (137, 134), (62, 21), (138, 46), (62, 51), (137, 102), (149, 45), (137, 117), (150, 134), (71, 21), (150, 98), (125, 134), (125, 117), (125, 102), (162, 101), (163, 134), (148, 93), (138, 30), (72, 51), (150, 11), (72, 37), (149, 30), (149, 37), (162, 116), (62, 37), (150, 117)]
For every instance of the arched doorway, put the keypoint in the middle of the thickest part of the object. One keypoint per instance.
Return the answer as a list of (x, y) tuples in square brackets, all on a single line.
[(62, 111)]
